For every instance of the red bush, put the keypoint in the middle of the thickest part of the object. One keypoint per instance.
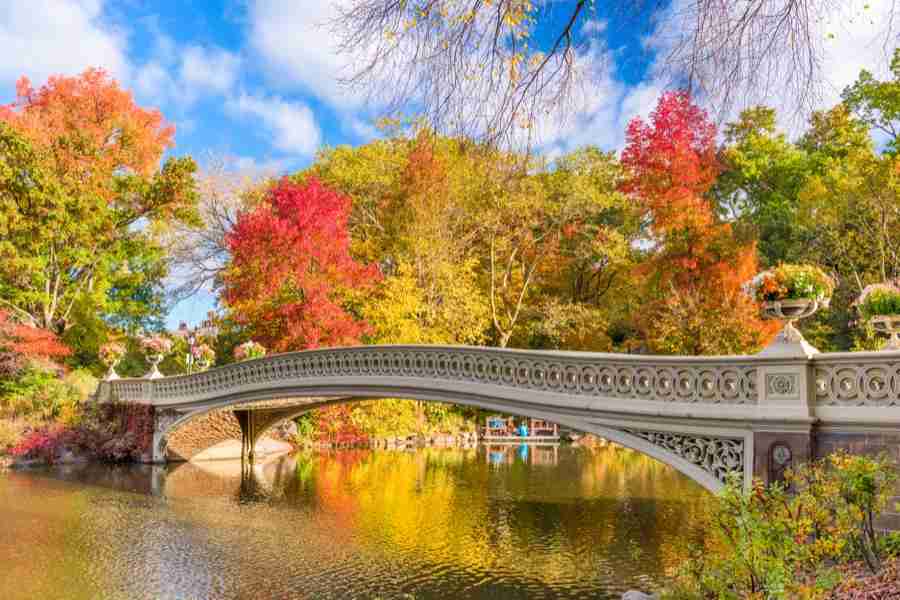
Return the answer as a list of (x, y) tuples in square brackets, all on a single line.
[(109, 432)]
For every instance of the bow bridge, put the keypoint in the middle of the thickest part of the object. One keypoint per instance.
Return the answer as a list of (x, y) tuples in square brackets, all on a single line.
[(705, 416)]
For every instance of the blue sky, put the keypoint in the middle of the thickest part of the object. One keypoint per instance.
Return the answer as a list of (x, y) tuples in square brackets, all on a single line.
[(257, 80)]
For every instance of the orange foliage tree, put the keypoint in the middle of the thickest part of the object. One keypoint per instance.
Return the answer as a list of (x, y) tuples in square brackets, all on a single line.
[(291, 272), (92, 127), (79, 177), (696, 265)]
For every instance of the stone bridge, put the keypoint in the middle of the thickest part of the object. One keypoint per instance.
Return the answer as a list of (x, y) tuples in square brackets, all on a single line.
[(705, 416)]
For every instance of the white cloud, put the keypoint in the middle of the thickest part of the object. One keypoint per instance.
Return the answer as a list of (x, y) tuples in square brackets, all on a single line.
[(153, 80), (40, 38), (639, 101), (180, 76), (296, 41), (594, 113), (291, 124), (209, 68), (853, 40), (261, 168)]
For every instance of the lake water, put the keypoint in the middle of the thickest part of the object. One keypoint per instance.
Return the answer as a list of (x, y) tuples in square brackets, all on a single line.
[(487, 523)]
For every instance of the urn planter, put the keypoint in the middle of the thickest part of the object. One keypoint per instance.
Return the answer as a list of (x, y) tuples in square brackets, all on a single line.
[(890, 325), (111, 374), (789, 340), (879, 305), (154, 372), (790, 293), (111, 354)]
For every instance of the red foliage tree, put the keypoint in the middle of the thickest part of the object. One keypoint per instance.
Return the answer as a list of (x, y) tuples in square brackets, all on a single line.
[(291, 270), (20, 343), (671, 162)]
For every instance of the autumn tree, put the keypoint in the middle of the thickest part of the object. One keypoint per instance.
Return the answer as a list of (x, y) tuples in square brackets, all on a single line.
[(291, 278), (82, 193), (877, 103), (828, 198), (849, 211), (694, 257), (758, 188), (371, 175), (585, 289), (426, 208), (410, 214), (556, 233)]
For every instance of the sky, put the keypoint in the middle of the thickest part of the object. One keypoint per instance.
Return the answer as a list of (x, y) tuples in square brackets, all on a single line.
[(257, 81)]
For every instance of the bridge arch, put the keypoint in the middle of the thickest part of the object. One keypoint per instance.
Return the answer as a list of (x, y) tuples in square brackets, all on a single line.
[(704, 454)]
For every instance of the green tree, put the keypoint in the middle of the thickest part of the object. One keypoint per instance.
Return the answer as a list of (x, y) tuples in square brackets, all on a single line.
[(757, 189), (877, 103)]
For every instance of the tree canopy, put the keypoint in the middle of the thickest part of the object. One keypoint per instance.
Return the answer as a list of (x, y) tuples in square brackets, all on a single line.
[(291, 272), (82, 193)]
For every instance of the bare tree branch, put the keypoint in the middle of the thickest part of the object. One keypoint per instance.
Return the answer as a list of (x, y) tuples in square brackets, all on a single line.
[(475, 68), (198, 254)]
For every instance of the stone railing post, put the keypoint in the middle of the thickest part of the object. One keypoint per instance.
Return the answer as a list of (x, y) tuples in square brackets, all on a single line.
[(103, 392), (783, 435), (147, 390), (786, 390)]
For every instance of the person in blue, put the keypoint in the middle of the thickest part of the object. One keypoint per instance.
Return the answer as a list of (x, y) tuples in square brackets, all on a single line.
[(523, 430), (523, 452)]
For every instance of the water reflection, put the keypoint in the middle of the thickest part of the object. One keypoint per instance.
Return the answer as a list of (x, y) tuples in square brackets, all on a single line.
[(497, 522)]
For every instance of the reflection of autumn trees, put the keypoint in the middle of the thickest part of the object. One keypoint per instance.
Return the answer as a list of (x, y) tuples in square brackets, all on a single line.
[(452, 506), (439, 523)]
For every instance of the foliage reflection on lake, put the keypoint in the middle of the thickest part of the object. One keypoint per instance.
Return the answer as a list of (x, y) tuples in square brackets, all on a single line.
[(488, 523)]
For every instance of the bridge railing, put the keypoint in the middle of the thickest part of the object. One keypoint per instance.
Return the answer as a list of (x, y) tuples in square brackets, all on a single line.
[(836, 386)]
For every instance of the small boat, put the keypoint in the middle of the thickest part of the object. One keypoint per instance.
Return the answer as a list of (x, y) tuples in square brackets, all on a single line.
[(503, 429)]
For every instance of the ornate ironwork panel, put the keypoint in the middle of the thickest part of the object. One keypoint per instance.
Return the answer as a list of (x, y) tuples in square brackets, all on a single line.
[(715, 455)]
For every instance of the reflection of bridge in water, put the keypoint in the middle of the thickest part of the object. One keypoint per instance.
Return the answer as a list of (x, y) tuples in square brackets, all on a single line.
[(705, 416)]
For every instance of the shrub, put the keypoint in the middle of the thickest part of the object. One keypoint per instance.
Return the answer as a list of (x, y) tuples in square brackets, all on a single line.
[(10, 432), (769, 542), (36, 392), (864, 486), (890, 544), (43, 443), (40, 392), (879, 299), (109, 432), (791, 282)]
